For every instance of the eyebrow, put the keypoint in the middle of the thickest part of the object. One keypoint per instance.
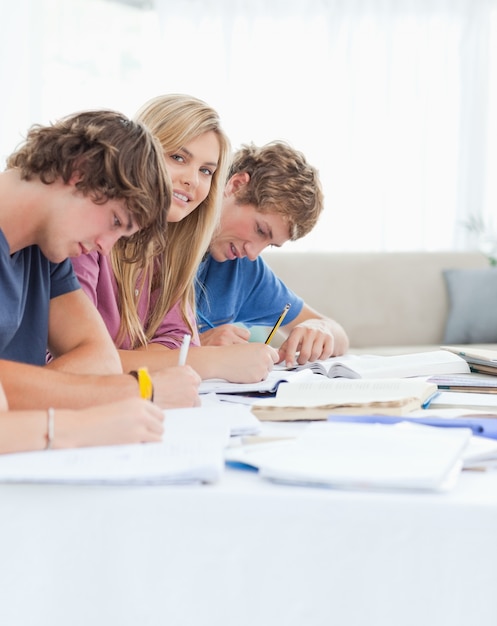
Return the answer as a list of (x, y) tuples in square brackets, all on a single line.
[(189, 154)]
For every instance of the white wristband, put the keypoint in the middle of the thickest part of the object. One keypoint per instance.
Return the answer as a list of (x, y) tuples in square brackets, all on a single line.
[(50, 427)]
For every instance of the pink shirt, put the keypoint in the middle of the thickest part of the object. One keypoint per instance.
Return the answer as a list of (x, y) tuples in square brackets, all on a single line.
[(95, 274)]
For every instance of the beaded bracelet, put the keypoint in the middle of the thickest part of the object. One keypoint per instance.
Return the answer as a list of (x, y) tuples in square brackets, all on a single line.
[(50, 427)]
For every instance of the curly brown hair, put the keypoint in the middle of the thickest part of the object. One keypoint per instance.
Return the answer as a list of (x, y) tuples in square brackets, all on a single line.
[(113, 157), (281, 181)]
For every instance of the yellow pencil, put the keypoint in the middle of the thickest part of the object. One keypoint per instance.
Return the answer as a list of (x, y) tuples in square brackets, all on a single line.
[(145, 384), (278, 324)]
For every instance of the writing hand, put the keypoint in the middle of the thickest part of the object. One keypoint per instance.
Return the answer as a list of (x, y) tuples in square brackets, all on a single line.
[(176, 387), (245, 363), (125, 421)]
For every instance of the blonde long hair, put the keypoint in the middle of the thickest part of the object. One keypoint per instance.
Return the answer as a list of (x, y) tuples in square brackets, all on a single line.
[(176, 120)]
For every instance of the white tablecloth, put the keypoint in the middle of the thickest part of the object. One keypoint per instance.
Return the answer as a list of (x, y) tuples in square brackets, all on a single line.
[(248, 553)]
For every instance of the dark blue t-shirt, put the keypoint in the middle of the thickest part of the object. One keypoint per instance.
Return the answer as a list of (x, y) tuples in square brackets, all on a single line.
[(241, 291), (28, 280)]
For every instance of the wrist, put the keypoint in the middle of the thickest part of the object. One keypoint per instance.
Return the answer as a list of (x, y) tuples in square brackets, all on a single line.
[(50, 434), (145, 384)]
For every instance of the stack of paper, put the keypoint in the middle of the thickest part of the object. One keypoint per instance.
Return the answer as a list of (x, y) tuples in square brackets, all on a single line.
[(465, 400), (192, 451), (473, 382), (364, 456)]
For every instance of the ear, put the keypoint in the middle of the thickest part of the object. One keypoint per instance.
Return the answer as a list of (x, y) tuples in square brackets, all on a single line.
[(238, 180), (75, 177)]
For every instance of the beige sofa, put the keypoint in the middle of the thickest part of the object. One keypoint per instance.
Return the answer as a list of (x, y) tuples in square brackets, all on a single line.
[(387, 302)]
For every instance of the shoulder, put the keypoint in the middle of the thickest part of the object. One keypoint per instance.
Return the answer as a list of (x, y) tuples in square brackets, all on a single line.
[(210, 269)]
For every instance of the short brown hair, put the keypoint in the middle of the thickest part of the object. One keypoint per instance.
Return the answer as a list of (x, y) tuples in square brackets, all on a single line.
[(114, 157), (281, 181)]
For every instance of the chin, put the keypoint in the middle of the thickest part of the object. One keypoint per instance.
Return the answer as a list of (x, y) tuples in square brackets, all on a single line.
[(220, 258), (176, 214), (174, 219)]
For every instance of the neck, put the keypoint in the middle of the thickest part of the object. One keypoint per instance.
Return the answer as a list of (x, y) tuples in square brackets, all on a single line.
[(18, 210)]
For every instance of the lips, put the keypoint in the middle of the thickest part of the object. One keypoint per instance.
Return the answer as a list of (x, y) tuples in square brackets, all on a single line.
[(234, 253), (181, 196)]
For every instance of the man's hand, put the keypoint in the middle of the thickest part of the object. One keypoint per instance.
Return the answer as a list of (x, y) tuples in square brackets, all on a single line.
[(313, 339), (225, 335)]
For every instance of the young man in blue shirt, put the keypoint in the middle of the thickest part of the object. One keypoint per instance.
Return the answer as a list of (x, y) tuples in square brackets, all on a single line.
[(272, 196)]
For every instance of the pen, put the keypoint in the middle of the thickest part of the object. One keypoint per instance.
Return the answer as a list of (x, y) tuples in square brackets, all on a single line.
[(183, 351), (278, 324), (429, 400), (145, 384)]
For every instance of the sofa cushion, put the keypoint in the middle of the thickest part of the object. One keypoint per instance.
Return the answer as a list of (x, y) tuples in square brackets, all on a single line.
[(472, 306)]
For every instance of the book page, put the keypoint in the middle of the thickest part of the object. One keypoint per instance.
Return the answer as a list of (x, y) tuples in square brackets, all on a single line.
[(401, 365), (469, 353), (270, 384)]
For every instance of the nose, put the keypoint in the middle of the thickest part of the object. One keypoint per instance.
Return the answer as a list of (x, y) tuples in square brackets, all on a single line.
[(105, 241), (190, 176), (252, 249)]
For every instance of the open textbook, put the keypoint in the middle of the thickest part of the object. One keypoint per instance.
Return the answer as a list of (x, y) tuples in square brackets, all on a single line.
[(317, 398), (363, 456), (396, 366), (348, 366)]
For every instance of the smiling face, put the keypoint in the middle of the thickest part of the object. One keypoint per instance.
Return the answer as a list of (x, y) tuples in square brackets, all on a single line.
[(191, 169), (243, 231)]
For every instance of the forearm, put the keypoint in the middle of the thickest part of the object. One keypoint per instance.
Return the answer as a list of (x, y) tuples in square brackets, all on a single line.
[(241, 363), (88, 359), (32, 387), (206, 361), (21, 431), (155, 357)]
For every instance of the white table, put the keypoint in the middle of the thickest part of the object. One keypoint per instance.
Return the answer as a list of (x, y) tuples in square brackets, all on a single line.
[(248, 553)]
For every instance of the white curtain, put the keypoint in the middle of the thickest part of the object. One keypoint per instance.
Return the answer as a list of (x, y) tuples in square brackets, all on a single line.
[(393, 100)]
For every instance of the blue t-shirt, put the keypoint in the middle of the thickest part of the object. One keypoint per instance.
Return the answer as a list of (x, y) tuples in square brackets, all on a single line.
[(28, 280), (241, 291)]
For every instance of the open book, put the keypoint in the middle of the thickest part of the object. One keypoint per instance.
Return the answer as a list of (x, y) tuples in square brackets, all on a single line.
[(396, 366), (316, 399)]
